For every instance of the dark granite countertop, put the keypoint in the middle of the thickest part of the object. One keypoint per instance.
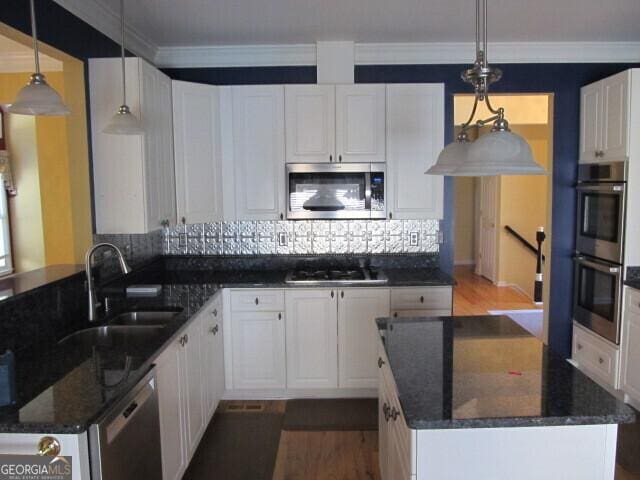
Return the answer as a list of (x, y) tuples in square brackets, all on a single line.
[(19, 283), (633, 283), (64, 388), (487, 372)]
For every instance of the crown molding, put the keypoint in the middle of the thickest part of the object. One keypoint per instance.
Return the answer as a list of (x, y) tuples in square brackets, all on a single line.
[(400, 54), (499, 52), (236, 56), (13, 62), (107, 22)]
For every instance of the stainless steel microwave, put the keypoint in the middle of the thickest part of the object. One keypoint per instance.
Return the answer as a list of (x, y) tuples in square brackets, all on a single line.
[(336, 191)]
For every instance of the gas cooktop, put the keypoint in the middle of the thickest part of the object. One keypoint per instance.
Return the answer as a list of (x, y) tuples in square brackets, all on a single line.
[(330, 275)]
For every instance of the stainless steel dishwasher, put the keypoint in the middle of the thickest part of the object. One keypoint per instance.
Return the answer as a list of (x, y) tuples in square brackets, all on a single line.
[(125, 443)]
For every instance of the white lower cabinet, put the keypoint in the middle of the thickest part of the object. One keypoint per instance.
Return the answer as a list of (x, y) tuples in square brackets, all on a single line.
[(190, 376), (630, 354), (258, 350), (595, 356), (357, 335), (312, 335)]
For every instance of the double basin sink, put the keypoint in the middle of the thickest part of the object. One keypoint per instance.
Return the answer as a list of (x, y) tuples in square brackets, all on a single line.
[(125, 329)]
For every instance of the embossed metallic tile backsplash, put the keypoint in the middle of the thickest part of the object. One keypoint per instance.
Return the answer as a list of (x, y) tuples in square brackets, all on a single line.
[(303, 237)]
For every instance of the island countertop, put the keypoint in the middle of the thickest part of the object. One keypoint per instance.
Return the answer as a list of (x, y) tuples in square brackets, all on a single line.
[(488, 372)]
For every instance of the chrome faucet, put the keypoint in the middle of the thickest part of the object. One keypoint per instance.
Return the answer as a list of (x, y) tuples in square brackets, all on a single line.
[(93, 302)]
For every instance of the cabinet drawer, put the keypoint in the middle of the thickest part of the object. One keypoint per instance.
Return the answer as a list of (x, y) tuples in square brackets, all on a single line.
[(400, 434), (633, 301), (257, 300), (424, 298), (421, 313), (595, 356)]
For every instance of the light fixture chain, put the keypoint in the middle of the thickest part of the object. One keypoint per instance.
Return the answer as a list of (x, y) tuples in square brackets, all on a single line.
[(124, 80)]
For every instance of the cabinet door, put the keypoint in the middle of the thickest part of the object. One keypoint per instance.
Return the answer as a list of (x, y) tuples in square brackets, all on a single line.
[(193, 386), (383, 422), (258, 340), (150, 118), (167, 176), (615, 117), (310, 123), (590, 122), (630, 377), (415, 137), (360, 123), (358, 336), (258, 135), (311, 338), (170, 369), (197, 152), (213, 357)]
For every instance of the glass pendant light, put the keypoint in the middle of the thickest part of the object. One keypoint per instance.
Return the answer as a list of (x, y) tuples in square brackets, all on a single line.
[(501, 152), (37, 97), (123, 122)]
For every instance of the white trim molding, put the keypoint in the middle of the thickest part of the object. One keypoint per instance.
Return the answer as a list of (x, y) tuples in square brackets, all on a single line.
[(236, 56), (400, 54), (512, 52), (23, 63), (106, 21)]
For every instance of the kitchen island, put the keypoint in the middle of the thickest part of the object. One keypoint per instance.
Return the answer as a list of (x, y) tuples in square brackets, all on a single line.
[(479, 397)]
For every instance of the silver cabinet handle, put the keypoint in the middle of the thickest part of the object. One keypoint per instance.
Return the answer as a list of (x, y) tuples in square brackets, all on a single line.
[(381, 362), (215, 312), (279, 315), (214, 329), (330, 158), (342, 294), (395, 413), (600, 360), (257, 301), (579, 347), (390, 216), (340, 158), (385, 411), (421, 299), (332, 294)]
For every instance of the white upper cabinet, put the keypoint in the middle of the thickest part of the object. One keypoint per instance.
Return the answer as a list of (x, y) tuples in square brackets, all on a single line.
[(310, 123), (604, 119), (360, 123), (415, 137), (258, 152), (197, 152), (312, 336), (133, 175)]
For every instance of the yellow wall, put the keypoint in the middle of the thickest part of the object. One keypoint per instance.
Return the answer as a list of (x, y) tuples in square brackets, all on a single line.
[(523, 206), (63, 162), (464, 220)]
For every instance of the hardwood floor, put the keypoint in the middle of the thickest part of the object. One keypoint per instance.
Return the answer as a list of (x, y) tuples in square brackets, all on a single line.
[(327, 456), (475, 295)]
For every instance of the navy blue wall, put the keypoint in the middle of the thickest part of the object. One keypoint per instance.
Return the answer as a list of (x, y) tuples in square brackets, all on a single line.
[(563, 80)]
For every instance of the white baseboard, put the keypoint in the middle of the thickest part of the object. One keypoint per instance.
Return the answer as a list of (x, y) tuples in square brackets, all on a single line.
[(515, 287), (464, 262), (269, 394)]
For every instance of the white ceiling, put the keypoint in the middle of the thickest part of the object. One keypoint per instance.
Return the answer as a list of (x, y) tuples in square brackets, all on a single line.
[(15, 57), (241, 22)]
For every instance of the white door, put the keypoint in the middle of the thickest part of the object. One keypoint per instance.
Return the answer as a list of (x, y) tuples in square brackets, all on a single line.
[(258, 135), (212, 368), (167, 176), (197, 152), (415, 137), (383, 430), (615, 117), (312, 336), (218, 358), (358, 335), (590, 122), (486, 262), (170, 369), (194, 388), (360, 123), (258, 350), (310, 112)]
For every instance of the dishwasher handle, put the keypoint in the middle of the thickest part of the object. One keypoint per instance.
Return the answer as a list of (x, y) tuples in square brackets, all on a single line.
[(124, 417)]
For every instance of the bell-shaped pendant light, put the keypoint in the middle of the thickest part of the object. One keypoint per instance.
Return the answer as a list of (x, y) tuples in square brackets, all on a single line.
[(37, 97), (451, 157), (123, 122), (500, 152)]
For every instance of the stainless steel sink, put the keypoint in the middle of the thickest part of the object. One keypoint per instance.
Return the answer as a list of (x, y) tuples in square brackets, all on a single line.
[(144, 318), (112, 336)]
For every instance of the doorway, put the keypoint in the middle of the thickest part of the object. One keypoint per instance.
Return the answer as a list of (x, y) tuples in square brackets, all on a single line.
[(497, 220)]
